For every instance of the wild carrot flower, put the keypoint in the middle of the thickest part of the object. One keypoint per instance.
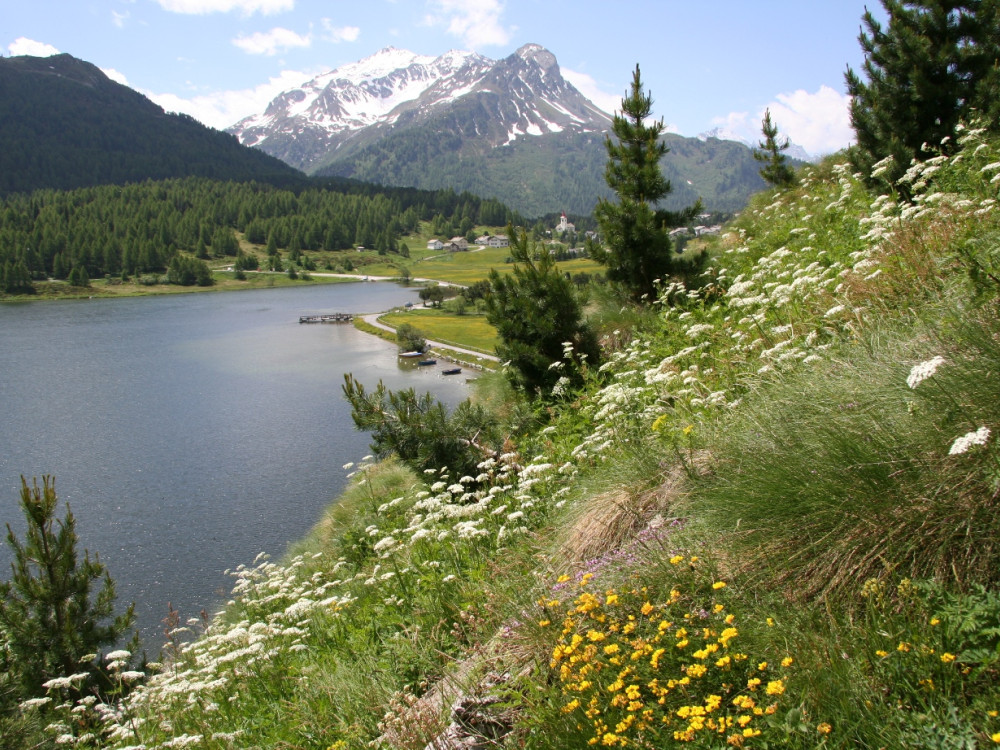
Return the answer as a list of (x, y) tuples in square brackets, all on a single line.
[(919, 373), (969, 439)]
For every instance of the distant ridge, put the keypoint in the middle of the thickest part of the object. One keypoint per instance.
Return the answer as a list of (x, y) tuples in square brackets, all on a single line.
[(511, 129), (64, 124)]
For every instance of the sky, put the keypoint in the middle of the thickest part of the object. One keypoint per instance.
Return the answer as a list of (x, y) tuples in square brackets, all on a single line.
[(706, 64)]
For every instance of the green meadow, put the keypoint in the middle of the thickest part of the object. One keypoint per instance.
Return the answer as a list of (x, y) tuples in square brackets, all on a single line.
[(767, 519)]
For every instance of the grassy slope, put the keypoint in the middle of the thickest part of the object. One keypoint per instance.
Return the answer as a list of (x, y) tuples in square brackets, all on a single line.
[(470, 331), (750, 530)]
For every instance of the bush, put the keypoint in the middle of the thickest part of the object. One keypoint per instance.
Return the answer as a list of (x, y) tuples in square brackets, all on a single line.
[(410, 339)]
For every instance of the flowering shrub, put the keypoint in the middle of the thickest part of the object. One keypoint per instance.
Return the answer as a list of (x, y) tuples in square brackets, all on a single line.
[(637, 669)]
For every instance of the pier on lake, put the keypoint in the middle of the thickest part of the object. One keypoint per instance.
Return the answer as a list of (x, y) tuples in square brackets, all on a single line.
[(327, 318)]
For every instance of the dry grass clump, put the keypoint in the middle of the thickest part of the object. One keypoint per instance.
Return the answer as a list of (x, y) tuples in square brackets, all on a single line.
[(607, 521)]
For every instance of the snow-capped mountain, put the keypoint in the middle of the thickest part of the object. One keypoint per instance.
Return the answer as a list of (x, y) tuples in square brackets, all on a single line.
[(524, 94)]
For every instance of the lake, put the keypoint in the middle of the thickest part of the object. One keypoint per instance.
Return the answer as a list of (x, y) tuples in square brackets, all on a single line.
[(189, 432)]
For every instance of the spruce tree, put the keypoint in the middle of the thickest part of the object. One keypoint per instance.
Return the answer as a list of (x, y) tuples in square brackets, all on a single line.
[(776, 169), (536, 313), (934, 64), (47, 613), (636, 231)]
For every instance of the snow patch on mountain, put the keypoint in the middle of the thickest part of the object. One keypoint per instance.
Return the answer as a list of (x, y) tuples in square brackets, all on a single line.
[(521, 95)]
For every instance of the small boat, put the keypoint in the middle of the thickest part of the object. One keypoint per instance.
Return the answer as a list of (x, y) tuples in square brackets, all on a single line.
[(451, 371), (425, 362), (411, 354)]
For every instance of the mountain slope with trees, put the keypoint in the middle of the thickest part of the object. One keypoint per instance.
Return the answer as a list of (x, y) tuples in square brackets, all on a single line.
[(64, 124), (144, 228)]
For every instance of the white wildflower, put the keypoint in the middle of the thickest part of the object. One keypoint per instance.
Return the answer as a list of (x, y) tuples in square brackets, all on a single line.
[(969, 439), (919, 373)]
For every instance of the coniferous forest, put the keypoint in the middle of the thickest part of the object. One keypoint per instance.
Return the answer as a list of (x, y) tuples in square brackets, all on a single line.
[(141, 228)]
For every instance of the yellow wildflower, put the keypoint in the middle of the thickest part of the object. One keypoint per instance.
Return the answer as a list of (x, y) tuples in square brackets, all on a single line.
[(903, 646), (647, 608), (775, 687), (881, 654), (544, 623), (947, 658), (719, 585), (695, 670), (787, 661), (935, 621), (676, 559), (824, 728)]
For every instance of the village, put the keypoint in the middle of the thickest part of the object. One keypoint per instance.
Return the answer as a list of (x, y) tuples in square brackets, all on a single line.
[(461, 244)]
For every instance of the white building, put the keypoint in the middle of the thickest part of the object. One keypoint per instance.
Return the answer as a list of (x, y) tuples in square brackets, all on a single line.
[(564, 225), (499, 240), (435, 244)]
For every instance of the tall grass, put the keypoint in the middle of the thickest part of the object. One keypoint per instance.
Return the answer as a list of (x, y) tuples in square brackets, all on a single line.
[(841, 472)]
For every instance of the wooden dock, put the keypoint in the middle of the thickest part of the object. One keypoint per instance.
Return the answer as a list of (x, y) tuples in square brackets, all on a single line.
[(327, 318)]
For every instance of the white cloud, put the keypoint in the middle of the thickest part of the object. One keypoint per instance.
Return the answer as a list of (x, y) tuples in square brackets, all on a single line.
[(337, 34), (221, 109), (115, 76), (119, 19), (819, 122), (24, 46), (587, 86), (247, 7), (272, 42), (476, 22)]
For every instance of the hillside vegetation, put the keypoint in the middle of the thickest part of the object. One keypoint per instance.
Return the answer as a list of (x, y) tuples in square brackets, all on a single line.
[(64, 124), (770, 519)]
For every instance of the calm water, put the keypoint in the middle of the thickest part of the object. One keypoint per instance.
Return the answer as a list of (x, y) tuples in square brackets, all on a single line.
[(188, 433)]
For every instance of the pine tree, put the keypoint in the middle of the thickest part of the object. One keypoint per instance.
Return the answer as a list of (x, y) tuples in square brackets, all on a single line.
[(776, 169), (47, 614), (934, 64), (536, 313), (638, 250)]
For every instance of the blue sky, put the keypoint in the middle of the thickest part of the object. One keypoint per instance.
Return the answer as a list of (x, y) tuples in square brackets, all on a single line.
[(707, 64)]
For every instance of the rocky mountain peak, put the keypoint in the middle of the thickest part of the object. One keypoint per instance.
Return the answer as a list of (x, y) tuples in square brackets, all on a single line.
[(538, 55), (393, 90)]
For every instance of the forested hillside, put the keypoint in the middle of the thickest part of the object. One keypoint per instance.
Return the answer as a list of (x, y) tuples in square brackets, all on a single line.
[(64, 124), (563, 171), (140, 228)]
